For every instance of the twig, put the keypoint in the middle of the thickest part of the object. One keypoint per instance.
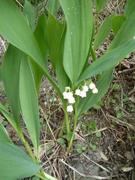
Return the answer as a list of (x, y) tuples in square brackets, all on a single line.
[(96, 163), (47, 123), (94, 132), (118, 121), (19, 3), (84, 175)]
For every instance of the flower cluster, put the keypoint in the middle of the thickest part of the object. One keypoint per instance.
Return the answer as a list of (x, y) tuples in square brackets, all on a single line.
[(82, 92), (68, 95)]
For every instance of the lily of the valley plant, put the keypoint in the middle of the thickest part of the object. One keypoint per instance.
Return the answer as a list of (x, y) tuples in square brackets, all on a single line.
[(81, 80)]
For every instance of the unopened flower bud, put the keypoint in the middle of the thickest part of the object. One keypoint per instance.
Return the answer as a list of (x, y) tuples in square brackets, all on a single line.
[(95, 91), (92, 86)]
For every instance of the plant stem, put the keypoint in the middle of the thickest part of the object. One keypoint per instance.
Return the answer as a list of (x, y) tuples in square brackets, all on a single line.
[(27, 146), (73, 133), (62, 127), (67, 121), (42, 175)]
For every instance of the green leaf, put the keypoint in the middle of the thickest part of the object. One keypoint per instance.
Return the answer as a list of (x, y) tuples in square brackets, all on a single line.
[(10, 74), (126, 32), (53, 6), (109, 60), (35, 178), (18, 33), (30, 13), (130, 7), (17, 30), (92, 99), (117, 22), (103, 32), (100, 4), (15, 163), (55, 33), (55, 36), (37, 74), (78, 36), (29, 101), (8, 116), (40, 35), (4, 137)]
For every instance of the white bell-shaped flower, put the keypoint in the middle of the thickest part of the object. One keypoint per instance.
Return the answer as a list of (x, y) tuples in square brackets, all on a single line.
[(70, 95), (77, 92), (85, 88), (70, 108), (92, 86), (95, 91), (71, 100), (67, 95), (83, 94)]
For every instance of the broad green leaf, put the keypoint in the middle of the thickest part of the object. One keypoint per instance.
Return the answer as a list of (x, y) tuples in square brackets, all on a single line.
[(130, 7), (37, 74), (10, 74), (19, 34), (53, 6), (55, 33), (4, 137), (117, 22), (55, 36), (15, 163), (78, 15), (29, 101), (30, 13), (100, 4), (92, 99), (8, 116), (103, 32), (40, 35), (126, 32), (17, 30), (39, 32), (109, 60)]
